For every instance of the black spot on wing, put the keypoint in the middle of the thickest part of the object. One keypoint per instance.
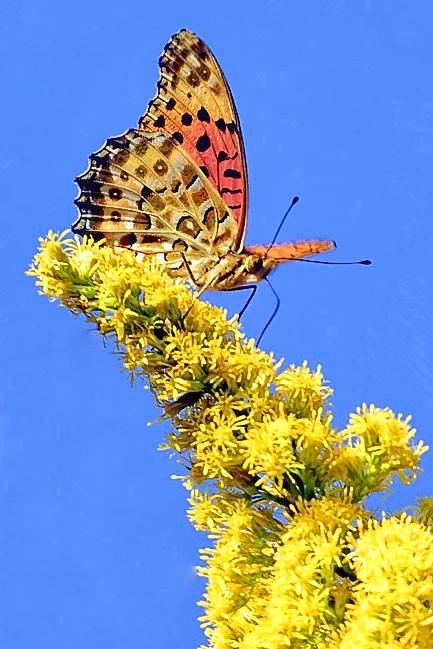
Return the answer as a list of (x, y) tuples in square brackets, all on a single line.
[(232, 173), (228, 190), (160, 167), (203, 115), (117, 143), (186, 119), (200, 49), (115, 193), (180, 245), (176, 187), (193, 79), (203, 143), (86, 206), (159, 122), (209, 218), (146, 191), (220, 123), (100, 160), (90, 186), (128, 239), (191, 182)]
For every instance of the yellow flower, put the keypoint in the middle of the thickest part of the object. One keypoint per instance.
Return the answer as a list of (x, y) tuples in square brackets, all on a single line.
[(393, 599), (304, 391), (424, 511), (296, 561), (383, 443)]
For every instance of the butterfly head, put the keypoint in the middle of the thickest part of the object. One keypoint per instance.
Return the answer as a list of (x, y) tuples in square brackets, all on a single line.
[(257, 265)]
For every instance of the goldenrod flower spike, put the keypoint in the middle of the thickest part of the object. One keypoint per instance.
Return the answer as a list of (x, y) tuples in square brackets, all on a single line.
[(297, 560)]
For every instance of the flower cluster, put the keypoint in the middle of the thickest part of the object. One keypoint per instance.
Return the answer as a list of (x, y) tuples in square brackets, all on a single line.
[(297, 559)]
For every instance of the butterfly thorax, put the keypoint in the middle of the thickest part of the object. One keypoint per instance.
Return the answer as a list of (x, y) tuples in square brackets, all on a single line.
[(235, 270)]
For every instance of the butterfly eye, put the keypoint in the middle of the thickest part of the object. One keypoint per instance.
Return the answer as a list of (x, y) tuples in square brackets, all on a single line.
[(257, 265)]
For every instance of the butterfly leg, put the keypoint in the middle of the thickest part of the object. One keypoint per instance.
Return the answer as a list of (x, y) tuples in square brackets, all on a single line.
[(200, 290), (188, 268), (274, 312), (194, 283), (253, 290)]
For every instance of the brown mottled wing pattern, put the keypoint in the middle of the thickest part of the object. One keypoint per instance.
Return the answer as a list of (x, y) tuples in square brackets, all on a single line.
[(143, 191), (194, 104)]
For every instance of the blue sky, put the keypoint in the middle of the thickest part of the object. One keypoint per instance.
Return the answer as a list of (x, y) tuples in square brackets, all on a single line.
[(336, 104)]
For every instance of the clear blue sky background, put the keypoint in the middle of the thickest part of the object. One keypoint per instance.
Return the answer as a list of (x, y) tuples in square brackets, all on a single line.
[(336, 103)]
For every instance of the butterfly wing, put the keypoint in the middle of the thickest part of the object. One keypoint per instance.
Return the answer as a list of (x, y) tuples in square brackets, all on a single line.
[(195, 105), (142, 190)]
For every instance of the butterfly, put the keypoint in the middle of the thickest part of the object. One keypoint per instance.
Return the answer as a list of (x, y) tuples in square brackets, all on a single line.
[(176, 186)]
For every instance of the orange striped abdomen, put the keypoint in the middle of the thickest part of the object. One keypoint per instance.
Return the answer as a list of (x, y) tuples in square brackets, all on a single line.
[(254, 263)]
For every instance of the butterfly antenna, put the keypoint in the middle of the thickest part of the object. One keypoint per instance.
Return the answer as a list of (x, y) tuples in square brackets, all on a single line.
[(362, 262), (295, 199)]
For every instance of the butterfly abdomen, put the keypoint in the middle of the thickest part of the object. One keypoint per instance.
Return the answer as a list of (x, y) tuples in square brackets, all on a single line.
[(281, 252), (254, 263)]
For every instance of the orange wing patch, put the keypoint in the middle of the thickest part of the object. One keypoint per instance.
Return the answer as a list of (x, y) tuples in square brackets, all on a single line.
[(194, 104)]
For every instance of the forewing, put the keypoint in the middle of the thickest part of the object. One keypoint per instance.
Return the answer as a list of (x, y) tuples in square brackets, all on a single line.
[(143, 191), (195, 105)]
